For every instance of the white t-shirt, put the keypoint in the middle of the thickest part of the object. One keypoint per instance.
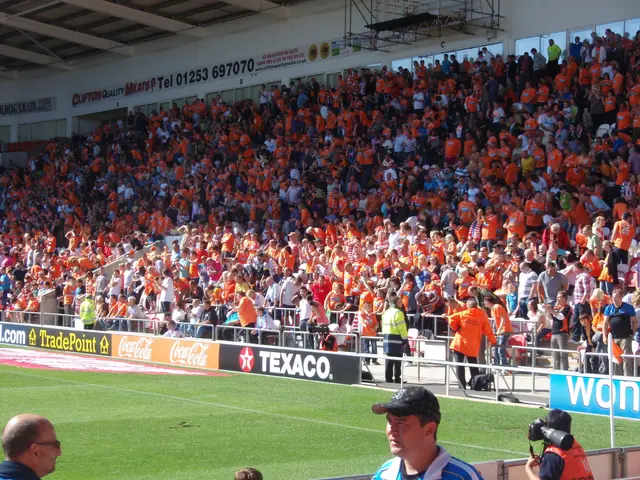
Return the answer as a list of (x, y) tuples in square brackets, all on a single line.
[(289, 290), (128, 278), (418, 101), (394, 239), (305, 310), (539, 185), (259, 301), (167, 292)]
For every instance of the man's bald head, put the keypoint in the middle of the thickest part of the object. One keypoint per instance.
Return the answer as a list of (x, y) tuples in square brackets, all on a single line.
[(21, 432)]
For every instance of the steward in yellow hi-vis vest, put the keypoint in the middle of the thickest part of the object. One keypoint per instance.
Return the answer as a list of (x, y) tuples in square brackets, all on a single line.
[(394, 332)]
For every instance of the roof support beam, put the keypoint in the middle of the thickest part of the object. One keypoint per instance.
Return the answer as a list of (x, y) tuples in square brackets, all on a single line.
[(138, 16), (33, 57), (65, 34), (8, 74), (264, 6)]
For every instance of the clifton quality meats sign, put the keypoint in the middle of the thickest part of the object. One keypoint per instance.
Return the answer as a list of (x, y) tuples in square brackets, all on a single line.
[(41, 105)]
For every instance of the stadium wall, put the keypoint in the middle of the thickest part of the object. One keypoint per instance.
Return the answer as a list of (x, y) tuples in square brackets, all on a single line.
[(312, 23)]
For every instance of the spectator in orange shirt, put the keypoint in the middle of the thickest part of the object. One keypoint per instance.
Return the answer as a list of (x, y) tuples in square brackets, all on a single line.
[(623, 233), (469, 326), (247, 317), (452, 149), (503, 328)]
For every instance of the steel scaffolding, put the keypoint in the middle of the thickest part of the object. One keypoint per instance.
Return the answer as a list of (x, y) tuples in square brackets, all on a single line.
[(403, 22)]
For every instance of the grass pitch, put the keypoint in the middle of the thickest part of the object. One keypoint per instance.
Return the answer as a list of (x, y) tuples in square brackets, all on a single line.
[(129, 426)]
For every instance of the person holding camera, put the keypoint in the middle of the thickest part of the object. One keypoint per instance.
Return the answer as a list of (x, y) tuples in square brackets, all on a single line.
[(562, 456), (413, 419)]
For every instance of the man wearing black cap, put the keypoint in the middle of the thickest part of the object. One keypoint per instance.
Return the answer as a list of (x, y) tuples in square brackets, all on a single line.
[(413, 416)]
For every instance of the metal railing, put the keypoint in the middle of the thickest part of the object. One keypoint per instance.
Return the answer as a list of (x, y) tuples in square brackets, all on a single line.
[(436, 349), (606, 355), (246, 334)]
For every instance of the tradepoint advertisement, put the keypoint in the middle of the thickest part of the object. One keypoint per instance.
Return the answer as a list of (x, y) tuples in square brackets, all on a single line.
[(169, 351), (591, 394), (293, 363), (63, 339)]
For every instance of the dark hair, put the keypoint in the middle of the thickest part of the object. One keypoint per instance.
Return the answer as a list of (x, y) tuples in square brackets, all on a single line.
[(427, 418), (19, 438), (248, 474), (560, 420)]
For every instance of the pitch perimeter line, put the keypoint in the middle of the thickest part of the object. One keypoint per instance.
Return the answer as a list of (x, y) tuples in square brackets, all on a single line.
[(249, 410), (43, 387)]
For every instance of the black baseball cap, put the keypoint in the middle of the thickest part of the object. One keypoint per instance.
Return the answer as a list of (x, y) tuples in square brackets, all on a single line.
[(411, 401)]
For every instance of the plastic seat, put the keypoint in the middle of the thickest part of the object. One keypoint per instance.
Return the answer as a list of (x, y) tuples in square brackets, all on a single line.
[(603, 129), (413, 334)]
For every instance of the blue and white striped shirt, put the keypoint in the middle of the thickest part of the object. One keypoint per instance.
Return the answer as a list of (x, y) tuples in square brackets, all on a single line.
[(444, 467)]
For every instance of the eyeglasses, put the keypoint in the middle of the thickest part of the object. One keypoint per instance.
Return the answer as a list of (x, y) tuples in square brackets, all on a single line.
[(55, 444)]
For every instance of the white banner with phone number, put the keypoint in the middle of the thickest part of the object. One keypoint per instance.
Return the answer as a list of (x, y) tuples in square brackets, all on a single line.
[(251, 66)]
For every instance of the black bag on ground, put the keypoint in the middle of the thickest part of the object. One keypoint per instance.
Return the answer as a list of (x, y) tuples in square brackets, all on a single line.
[(482, 383)]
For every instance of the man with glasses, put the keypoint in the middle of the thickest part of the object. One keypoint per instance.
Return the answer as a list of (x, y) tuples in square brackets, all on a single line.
[(31, 448)]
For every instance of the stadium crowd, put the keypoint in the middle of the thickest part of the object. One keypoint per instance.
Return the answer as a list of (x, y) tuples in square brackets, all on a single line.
[(513, 181)]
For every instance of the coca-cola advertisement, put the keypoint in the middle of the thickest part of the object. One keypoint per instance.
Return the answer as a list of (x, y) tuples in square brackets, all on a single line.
[(170, 351)]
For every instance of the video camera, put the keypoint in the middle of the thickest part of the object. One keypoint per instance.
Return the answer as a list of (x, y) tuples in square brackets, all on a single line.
[(539, 430), (322, 329)]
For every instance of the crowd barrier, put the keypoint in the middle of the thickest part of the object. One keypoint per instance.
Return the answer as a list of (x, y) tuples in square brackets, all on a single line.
[(289, 335), (606, 464), (332, 367), (345, 367)]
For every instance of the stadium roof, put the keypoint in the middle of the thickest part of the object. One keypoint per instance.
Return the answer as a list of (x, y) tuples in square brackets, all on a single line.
[(37, 33)]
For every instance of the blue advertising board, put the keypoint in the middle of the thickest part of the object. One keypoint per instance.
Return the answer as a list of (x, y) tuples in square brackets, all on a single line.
[(589, 394), (13, 333)]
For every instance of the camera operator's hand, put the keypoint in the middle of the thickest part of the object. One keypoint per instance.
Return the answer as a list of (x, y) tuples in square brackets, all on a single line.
[(532, 462)]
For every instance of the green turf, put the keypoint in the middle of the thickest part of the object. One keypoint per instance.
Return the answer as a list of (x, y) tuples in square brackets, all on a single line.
[(126, 426)]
